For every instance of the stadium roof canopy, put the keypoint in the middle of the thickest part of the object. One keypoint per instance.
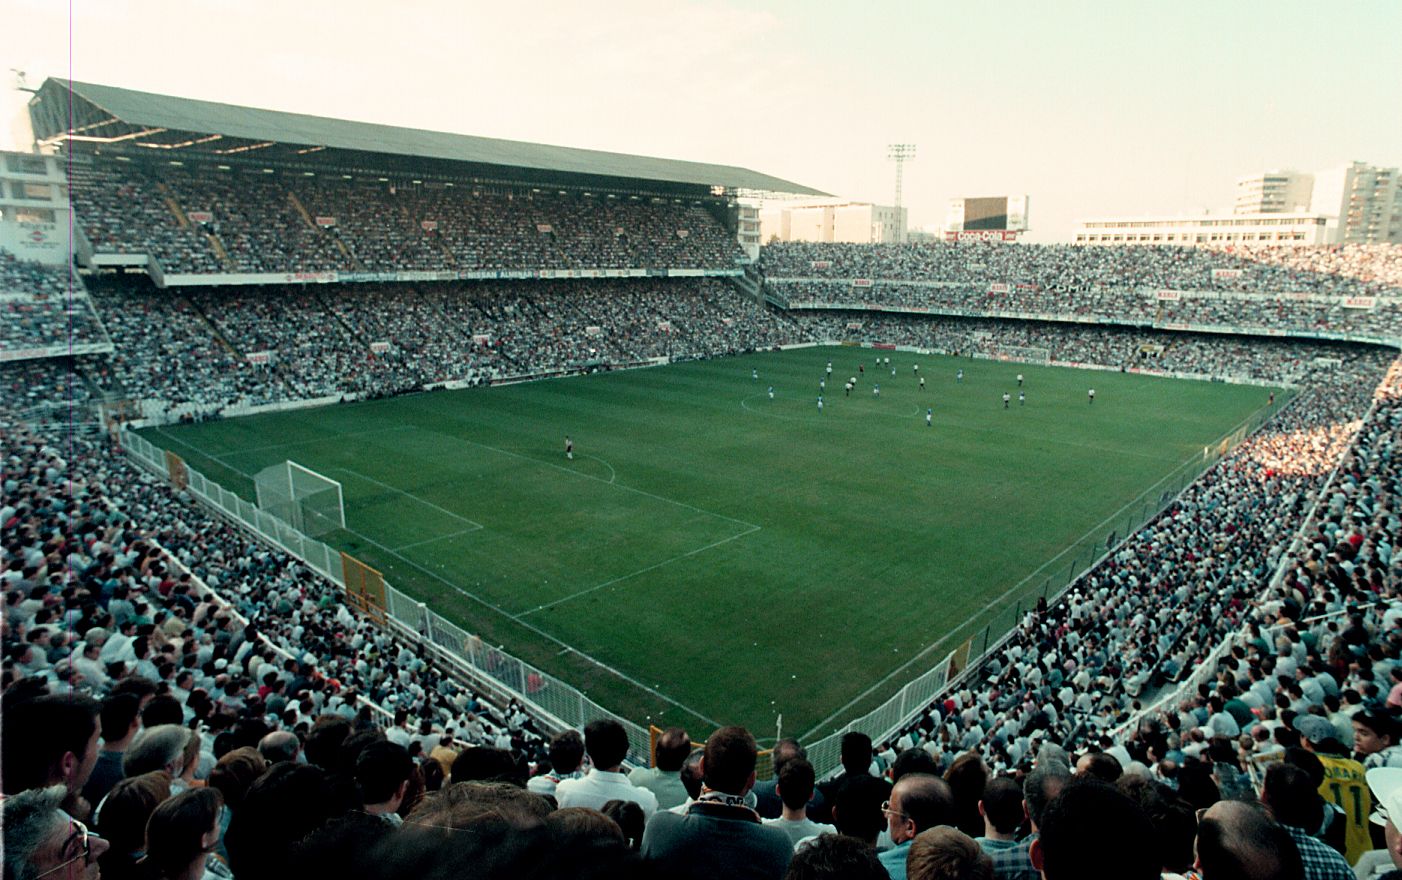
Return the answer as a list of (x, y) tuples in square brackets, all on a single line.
[(132, 121)]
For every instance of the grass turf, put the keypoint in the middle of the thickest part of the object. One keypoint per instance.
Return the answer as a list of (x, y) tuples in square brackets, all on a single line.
[(712, 555)]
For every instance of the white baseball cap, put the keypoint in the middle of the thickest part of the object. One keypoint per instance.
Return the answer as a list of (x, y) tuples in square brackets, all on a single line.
[(1386, 784)]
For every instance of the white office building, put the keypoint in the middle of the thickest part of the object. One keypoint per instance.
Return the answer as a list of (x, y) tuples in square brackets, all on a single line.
[(1294, 228), (852, 222), (1366, 199), (1274, 192)]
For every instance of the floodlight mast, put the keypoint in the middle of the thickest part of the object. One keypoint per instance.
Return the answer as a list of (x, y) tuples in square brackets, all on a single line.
[(899, 153)]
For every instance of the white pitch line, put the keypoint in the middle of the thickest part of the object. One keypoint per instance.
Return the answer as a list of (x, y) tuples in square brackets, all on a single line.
[(564, 646), (324, 439), (412, 496), (456, 534), (613, 474), (990, 605), (198, 451), (634, 574), (584, 476), (516, 618)]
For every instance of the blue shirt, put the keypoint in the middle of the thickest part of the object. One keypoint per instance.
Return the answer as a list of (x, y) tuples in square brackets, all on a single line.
[(894, 860)]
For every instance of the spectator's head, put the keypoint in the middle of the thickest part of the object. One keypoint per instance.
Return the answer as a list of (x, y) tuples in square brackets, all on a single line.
[(382, 771), (729, 762), (795, 783), (183, 830), (1099, 765), (280, 745), (49, 740), (607, 743), (324, 741), (856, 810), (786, 749), (630, 817), (128, 808), (672, 748), (1373, 732), (918, 803), (836, 857), (1091, 825), (946, 853), (690, 774), (566, 752), (913, 761), (235, 772), (1043, 785), (856, 752), (157, 748), (1238, 841), (42, 841), (121, 717), (1291, 795), (281, 807), (162, 709), (1001, 805), (486, 764), (573, 826), (472, 804)]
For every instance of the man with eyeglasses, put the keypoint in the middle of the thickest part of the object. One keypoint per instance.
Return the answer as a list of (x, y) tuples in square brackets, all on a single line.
[(42, 841), (919, 801)]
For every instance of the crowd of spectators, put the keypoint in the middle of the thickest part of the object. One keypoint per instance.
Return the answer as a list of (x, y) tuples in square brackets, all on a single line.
[(122, 209), (42, 308), (216, 659), (191, 351), (1136, 306), (1321, 270), (279, 223)]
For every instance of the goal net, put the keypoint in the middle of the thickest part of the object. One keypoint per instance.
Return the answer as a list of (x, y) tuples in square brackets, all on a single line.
[(301, 497), (1019, 353)]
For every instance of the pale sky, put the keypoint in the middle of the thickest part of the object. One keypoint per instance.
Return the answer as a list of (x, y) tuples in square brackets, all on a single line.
[(1093, 108)]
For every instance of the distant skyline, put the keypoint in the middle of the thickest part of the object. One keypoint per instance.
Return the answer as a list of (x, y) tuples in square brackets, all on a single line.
[(1091, 108)]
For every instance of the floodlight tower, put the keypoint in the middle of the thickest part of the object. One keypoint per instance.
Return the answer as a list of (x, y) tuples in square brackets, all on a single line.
[(900, 153)]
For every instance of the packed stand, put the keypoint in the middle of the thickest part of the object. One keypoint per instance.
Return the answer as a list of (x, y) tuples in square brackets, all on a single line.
[(121, 209), (194, 353), (280, 223), (41, 308), (1126, 348), (1329, 270), (166, 352)]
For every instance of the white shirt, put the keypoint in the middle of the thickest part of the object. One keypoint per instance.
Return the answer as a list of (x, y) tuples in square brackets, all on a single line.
[(599, 787)]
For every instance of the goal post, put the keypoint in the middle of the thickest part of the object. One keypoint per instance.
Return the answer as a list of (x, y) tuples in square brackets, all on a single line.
[(308, 501)]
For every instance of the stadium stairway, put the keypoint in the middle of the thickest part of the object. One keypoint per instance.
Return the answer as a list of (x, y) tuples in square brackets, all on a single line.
[(306, 216), (173, 205)]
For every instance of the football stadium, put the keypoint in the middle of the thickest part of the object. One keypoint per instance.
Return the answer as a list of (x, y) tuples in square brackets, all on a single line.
[(319, 430)]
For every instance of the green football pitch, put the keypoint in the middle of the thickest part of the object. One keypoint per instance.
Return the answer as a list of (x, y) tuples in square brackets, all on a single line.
[(712, 555)]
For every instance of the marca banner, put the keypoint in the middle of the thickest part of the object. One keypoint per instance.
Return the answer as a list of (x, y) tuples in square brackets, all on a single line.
[(593, 330), (861, 282), (428, 225), (1169, 295), (999, 288), (379, 347), (326, 221), (820, 264), (260, 357), (664, 326), (982, 235), (544, 227), (1360, 302), (683, 233), (1225, 274), (854, 325), (310, 277), (481, 339), (200, 216)]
